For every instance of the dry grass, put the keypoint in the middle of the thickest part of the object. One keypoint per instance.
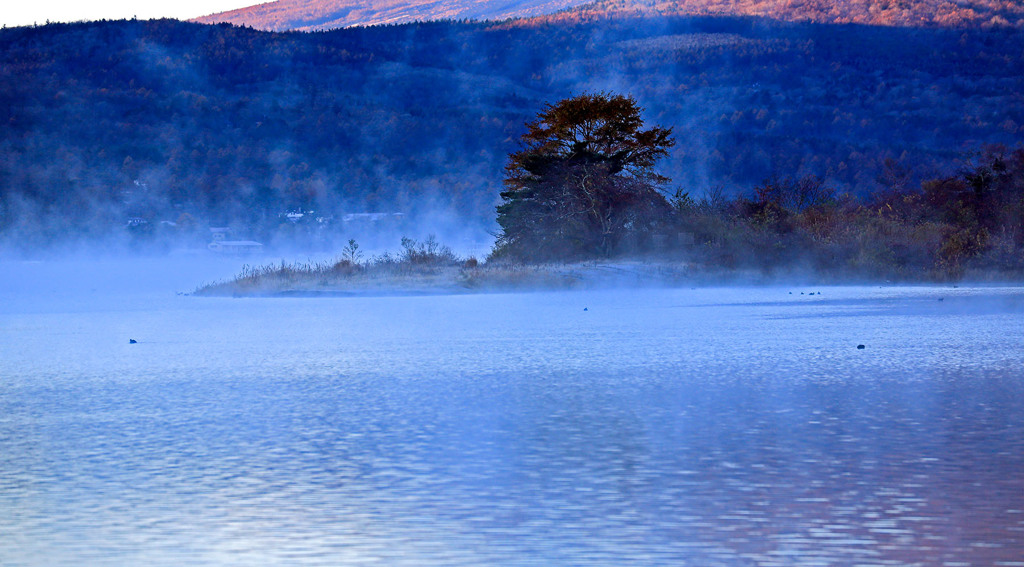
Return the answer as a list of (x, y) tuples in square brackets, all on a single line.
[(390, 275)]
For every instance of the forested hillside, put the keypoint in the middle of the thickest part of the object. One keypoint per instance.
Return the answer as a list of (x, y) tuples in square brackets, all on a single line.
[(163, 120), (284, 15), (904, 13), (310, 15)]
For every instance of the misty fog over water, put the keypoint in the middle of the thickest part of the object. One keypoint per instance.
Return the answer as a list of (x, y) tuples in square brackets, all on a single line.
[(704, 426)]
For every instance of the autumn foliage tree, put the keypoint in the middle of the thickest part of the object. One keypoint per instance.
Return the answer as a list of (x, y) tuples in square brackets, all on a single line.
[(583, 185)]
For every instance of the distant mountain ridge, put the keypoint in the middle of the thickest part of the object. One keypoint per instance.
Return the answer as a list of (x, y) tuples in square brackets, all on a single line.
[(901, 13), (312, 15)]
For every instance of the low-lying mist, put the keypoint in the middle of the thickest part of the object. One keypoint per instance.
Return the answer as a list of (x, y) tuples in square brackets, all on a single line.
[(167, 129)]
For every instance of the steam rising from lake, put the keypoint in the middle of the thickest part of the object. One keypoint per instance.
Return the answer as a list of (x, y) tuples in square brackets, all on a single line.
[(724, 426)]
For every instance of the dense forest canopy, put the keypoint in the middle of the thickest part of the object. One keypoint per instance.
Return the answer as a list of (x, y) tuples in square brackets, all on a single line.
[(105, 122)]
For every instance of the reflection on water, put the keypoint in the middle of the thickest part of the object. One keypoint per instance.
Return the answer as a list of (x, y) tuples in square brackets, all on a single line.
[(703, 427)]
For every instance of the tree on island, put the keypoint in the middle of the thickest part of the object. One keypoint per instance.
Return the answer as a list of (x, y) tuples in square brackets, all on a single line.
[(583, 184)]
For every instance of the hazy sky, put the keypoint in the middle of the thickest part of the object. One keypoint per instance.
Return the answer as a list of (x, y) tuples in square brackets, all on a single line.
[(28, 12)]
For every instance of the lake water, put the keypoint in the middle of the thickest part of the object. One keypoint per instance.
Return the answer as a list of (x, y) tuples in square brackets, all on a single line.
[(685, 426)]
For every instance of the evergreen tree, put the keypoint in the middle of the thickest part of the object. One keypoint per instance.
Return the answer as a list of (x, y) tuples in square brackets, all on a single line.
[(583, 184)]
